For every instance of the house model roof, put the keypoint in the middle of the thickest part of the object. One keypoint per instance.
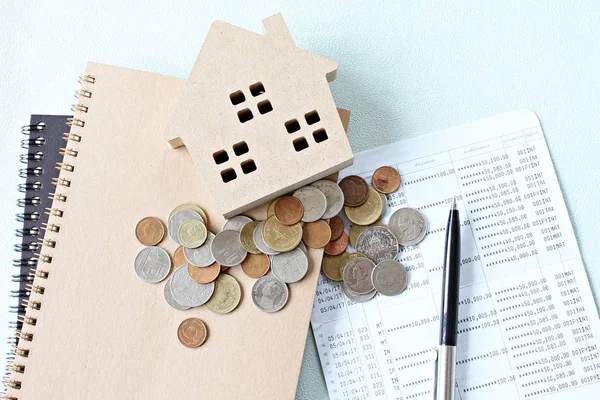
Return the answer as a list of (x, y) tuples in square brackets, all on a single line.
[(257, 116)]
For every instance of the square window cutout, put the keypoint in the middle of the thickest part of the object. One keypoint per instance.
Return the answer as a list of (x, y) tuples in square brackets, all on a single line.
[(257, 89), (264, 107), (320, 135), (245, 115), (312, 117), (300, 144), (227, 175), (292, 126), (237, 97), (248, 166), (220, 157), (240, 148)]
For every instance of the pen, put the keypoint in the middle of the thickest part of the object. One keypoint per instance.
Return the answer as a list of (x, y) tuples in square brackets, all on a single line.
[(446, 357)]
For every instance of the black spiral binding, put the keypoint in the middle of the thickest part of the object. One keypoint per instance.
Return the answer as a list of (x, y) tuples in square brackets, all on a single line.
[(32, 283)]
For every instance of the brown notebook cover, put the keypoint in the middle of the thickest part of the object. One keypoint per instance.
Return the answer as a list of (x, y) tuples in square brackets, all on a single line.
[(102, 333)]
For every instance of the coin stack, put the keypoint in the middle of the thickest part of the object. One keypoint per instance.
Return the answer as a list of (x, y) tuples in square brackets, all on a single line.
[(374, 267)]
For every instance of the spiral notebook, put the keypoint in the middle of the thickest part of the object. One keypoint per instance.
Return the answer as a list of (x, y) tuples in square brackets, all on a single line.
[(96, 330)]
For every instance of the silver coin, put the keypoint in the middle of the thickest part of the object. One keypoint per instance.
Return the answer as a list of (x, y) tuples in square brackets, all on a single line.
[(178, 219), (187, 291), (236, 223), (408, 225), (333, 196), (170, 300), (269, 293), (227, 250), (152, 264), (290, 267), (260, 242), (358, 298), (389, 277), (201, 256), (314, 203), (357, 275), (378, 243), (384, 200)]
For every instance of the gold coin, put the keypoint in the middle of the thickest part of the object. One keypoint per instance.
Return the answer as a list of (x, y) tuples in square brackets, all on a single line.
[(193, 207), (281, 237), (337, 247), (384, 202), (150, 231), (227, 295), (332, 266), (179, 257), (192, 234), (351, 256), (204, 275), (256, 265), (192, 332), (356, 230), (368, 212), (247, 237), (271, 208), (316, 234)]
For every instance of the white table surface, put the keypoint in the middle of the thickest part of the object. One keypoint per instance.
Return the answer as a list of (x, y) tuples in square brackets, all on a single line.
[(405, 68)]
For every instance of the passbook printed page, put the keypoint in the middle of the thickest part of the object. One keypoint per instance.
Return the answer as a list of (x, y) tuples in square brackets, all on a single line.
[(528, 325)]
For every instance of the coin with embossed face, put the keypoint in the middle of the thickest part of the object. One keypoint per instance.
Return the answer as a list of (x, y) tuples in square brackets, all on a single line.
[(192, 332), (269, 293), (291, 266), (178, 219), (313, 201), (357, 275), (280, 237), (355, 189), (408, 225), (227, 248), (152, 264), (289, 210), (333, 195), (260, 242), (356, 230), (316, 234), (192, 233), (386, 179), (378, 243), (227, 296), (187, 291), (256, 265), (389, 277), (247, 237), (150, 231), (357, 297), (200, 256)]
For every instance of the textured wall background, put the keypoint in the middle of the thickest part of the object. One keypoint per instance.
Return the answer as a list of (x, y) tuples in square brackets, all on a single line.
[(406, 68)]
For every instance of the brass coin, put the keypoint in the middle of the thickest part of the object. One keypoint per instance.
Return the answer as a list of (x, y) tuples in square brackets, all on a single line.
[(367, 213), (227, 295), (192, 233), (179, 257), (281, 237), (386, 179), (337, 247), (337, 227), (288, 210), (193, 207), (204, 275), (356, 230), (256, 265), (355, 189), (271, 207), (150, 231), (192, 332), (247, 237), (384, 201), (332, 266), (316, 234)]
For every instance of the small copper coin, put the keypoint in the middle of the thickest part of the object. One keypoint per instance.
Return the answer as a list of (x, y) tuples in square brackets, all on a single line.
[(316, 234), (206, 274), (150, 231), (289, 210), (192, 333), (337, 247), (386, 179), (356, 190), (256, 265), (337, 227), (178, 257)]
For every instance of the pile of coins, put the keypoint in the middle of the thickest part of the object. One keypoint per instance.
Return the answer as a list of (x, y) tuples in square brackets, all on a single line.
[(294, 222), (374, 267)]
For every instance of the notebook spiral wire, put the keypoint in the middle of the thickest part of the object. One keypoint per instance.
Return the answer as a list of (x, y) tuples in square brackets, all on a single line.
[(39, 264)]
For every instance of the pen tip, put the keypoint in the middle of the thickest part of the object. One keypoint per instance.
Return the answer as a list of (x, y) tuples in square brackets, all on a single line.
[(453, 207)]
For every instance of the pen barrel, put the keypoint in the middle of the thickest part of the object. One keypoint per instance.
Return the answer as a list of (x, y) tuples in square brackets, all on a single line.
[(444, 387), (451, 279)]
